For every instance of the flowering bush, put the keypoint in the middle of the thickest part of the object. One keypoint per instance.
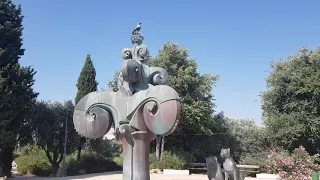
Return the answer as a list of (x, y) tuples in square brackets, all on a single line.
[(295, 166)]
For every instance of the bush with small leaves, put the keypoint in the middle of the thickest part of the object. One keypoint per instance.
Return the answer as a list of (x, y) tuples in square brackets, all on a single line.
[(90, 164), (119, 160), (33, 160), (169, 161), (255, 159)]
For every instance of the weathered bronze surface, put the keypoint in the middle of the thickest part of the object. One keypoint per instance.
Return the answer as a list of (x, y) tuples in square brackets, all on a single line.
[(142, 107)]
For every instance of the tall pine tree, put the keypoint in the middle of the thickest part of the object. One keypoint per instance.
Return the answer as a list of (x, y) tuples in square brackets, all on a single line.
[(86, 83), (16, 93)]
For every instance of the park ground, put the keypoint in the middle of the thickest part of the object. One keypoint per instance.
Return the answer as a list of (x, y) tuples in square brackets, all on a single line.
[(115, 175)]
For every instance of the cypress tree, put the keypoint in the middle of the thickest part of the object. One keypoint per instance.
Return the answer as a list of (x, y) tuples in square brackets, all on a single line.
[(16, 93), (87, 80), (86, 83)]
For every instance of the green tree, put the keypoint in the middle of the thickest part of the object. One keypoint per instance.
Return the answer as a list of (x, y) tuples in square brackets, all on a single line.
[(16, 82), (48, 127), (86, 84), (103, 148), (291, 105), (87, 80), (194, 89), (250, 138), (113, 83)]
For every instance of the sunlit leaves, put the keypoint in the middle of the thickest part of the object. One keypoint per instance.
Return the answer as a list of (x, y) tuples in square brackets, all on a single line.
[(291, 105)]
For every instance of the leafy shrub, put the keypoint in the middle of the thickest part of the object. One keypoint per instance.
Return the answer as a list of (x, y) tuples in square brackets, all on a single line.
[(33, 160), (119, 160), (259, 159), (295, 166), (187, 156), (169, 161), (103, 148), (90, 164), (42, 169)]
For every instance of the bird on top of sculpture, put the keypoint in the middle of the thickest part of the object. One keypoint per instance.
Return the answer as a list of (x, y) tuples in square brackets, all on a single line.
[(137, 29), (136, 75), (142, 107)]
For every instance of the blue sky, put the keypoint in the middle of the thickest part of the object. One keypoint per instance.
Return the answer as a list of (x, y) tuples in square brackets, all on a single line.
[(235, 39)]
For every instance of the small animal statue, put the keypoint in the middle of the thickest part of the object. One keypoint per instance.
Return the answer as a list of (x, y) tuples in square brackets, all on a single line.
[(229, 166), (213, 168)]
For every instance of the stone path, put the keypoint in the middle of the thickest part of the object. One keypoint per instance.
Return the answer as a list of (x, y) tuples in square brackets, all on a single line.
[(116, 175)]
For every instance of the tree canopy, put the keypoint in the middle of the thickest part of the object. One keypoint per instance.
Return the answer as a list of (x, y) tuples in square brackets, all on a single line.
[(86, 84), (48, 128), (291, 105), (16, 82), (87, 80), (194, 89), (248, 138)]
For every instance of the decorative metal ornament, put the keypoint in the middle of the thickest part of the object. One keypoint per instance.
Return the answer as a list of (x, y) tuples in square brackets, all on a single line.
[(142, 107)]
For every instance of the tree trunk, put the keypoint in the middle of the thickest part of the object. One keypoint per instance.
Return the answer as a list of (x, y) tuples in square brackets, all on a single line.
[(7, 158), (54, 168), (82, 142), (79, 152), (158, 144), (162, 146)]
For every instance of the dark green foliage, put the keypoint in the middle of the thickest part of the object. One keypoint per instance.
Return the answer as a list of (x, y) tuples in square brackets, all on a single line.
[(194, 89), (48, 127), (86, 84), (169, 161), (6, 160), (204, 145), (16, 82), (220, 123), (118, 160), (33, 160), (104, 148), (113, 83), (11, 32), (291, 105), (258, 158), (243, 137), (248, 138), (87, 80), (91, 164)]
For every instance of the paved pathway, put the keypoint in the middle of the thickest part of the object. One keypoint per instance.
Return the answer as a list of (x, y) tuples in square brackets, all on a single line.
[(116, 175)]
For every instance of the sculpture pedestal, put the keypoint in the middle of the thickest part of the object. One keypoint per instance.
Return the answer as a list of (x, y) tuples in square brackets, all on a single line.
[(136, 156)]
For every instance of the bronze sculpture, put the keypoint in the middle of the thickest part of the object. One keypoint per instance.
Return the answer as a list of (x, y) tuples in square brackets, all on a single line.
[(142, 107), (229, 166), (214, 169)]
